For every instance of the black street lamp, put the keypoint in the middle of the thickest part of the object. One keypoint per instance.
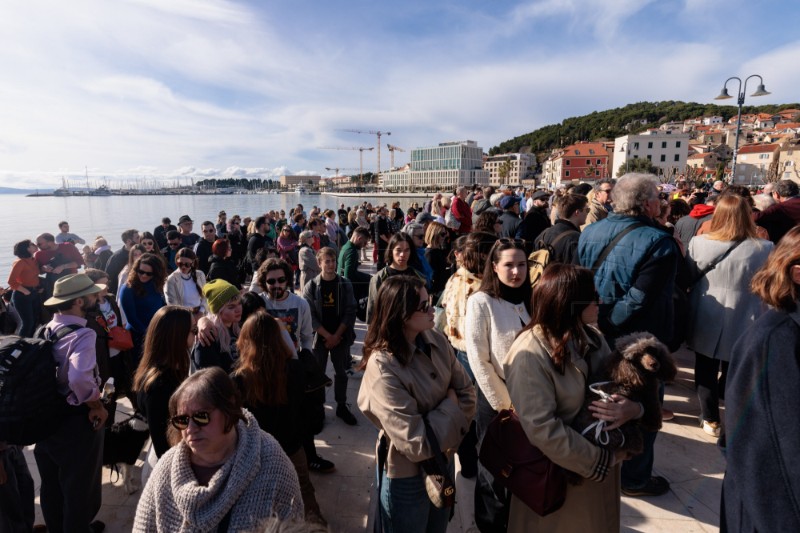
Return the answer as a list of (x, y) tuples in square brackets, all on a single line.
[(723, 95)]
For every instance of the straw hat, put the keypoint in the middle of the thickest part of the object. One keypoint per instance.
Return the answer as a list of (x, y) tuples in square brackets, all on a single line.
[(71, 287)]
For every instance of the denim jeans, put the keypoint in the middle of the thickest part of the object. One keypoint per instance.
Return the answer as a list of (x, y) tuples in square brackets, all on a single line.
[(406, 508), (464, 360), (28, 308), (637, 472)]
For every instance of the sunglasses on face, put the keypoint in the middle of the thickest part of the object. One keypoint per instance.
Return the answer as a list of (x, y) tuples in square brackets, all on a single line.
[(175, 244), (147, 273), (185, 264), (273, 281), (181, 422)]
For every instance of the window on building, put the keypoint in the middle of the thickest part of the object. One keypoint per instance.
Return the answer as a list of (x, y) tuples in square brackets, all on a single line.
[(588, 162), (649, 157), (663, 157), (650, 144), (636, 146), (677, 157), (677, 144), (663, 144), (566, 173), (637, 157), (596, 172), (566, 162), (599, 162)]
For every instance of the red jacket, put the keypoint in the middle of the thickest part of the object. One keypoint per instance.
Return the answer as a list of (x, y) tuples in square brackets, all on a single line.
[(463, 214)]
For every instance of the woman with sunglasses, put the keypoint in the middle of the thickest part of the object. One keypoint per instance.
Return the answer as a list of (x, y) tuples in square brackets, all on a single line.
[(272, 384), (547, 370), (223, 473), (225, 312), (401, 259), (136, 251), (150, 244), (142, 296), (495, 314), (164, 365), (184, 287), (411, 377)]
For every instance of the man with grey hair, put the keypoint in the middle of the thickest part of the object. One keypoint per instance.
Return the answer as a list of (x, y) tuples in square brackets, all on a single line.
[(634, 264), (785, 214), (417, 233)]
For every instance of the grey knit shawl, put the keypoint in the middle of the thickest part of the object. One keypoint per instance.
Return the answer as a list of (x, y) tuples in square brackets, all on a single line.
[(258, 482)]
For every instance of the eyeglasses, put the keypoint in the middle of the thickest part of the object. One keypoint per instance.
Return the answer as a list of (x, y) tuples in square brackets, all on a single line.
[(181, 422), (194, 330), (273, 281), (424, 307), (148, 273), (186, 264), (505, 240), (174, 244)]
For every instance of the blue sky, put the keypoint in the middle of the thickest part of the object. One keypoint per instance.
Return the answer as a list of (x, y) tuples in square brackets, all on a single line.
[(191, 89)]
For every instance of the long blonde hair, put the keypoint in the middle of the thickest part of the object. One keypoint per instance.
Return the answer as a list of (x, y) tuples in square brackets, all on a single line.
[(732, 220)]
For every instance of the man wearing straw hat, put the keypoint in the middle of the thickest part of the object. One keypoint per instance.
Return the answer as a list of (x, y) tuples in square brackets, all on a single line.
[(70, 460)]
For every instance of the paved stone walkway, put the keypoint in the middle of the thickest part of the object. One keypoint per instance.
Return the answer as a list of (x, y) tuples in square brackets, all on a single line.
[(685, 455)]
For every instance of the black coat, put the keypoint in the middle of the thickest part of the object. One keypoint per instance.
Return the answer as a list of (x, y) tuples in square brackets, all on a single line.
[(534, 223), (563, 248), (761, 489), (224, 269)]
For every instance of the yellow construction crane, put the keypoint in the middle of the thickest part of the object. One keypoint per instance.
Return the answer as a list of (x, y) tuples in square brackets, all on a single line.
[(360, 149), (392, 149), (378, 134)]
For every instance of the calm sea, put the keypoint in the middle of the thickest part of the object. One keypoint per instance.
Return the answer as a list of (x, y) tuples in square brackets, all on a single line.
[(24, 218)]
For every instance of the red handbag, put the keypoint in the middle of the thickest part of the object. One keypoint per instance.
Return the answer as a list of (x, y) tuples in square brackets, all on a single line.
[(120, 339), (521, 467)]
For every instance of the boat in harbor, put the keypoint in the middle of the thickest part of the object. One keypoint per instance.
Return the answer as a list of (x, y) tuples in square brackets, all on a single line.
[(100, 191), (300, 189)]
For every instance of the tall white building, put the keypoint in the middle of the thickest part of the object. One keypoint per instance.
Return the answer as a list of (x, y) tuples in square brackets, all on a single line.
[(520, 167), (667, 150), (445, 166)]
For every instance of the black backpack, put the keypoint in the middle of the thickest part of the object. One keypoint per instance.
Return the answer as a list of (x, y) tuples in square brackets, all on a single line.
[(30, 406)]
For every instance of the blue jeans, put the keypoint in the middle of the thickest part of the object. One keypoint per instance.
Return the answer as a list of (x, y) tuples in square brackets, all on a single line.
[(464, 360), (28, 308), (406, 508), (637, 472)]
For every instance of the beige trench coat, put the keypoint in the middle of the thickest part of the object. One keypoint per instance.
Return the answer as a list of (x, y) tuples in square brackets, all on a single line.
[(546, 403)]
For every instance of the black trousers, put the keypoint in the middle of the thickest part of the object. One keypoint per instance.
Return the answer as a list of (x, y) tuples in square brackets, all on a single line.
[(70, 465), (340, 357), (709, 385), (492, 500)]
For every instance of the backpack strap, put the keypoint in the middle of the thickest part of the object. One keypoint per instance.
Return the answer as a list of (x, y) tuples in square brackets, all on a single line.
[(713, 264), (607, 250), (46, 333)]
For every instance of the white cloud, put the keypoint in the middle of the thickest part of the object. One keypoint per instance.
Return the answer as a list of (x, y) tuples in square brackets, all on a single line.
[(185, 89)]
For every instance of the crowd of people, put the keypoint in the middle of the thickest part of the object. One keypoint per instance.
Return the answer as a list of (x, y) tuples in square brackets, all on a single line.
[(475, 302)]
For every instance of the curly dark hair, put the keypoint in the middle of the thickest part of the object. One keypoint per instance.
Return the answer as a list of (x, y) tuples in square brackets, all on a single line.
[(159, 274)]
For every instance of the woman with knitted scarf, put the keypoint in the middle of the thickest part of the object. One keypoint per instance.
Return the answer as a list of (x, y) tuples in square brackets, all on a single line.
[(223, 473)]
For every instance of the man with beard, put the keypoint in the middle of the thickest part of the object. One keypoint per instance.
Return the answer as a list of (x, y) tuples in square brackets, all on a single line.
[(535, 221), (70, 460), (294, 314), (258, 241)]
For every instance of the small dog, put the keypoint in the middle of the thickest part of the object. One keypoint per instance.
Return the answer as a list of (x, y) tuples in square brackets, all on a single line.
[(637, 365)]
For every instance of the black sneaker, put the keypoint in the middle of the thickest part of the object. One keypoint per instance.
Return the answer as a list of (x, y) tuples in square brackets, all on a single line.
[(344, 413), (655, 486), (320, 465)]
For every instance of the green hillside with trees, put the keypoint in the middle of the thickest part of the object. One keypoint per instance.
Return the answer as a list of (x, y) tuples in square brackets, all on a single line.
[(606, 125)]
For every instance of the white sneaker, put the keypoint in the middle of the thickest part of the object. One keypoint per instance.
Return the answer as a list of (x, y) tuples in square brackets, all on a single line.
[(712, 428)]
